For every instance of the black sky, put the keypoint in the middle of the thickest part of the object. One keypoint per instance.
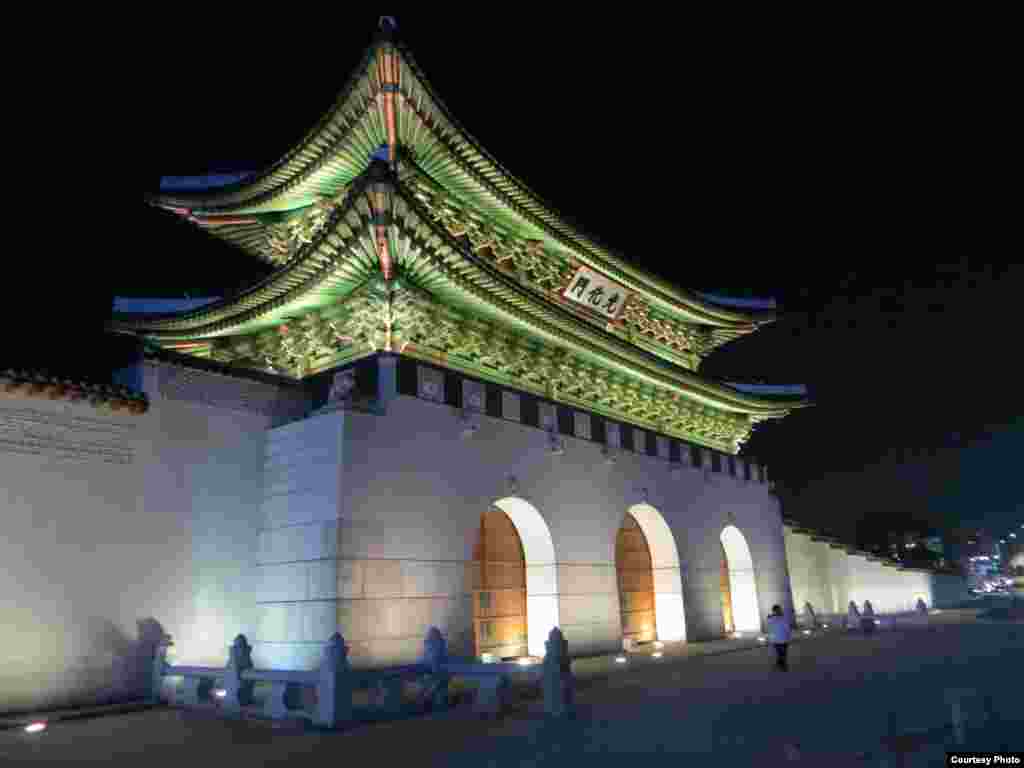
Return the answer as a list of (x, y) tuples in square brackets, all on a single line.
[(853, 173)]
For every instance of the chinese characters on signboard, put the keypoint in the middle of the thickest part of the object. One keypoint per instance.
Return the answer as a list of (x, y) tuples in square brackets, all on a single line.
[(596, 292)]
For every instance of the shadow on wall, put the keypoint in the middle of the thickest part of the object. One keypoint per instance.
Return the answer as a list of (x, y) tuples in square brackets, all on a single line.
[(101, 666)]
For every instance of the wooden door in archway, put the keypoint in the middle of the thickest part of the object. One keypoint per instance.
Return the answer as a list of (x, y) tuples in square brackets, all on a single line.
[(727, 619), (636, 582), (499, 588)]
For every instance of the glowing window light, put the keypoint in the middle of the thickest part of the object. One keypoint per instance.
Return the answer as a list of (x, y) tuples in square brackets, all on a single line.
[(35, 728), (620, 659)]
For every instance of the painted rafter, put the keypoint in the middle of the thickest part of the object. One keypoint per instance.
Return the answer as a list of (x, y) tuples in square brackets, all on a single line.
[(407, 320), (428, 253)]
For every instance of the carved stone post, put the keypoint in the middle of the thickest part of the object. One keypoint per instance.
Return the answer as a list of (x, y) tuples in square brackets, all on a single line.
[(238, 692), (159, 668), (852, 616), (334, 689), (812, 619), (435, 657), (558, 679)]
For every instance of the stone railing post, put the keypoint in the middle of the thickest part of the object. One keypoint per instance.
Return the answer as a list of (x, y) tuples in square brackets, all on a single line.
[(852, 616), (812, 619), (558, 679), (159, 669), (334, 688), (238, 692), (435, 656), (869, 610)]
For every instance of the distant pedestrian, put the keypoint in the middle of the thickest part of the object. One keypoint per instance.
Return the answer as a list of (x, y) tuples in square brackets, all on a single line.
[(779, 634)]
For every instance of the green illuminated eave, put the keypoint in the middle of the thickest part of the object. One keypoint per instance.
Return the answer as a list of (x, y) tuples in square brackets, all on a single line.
[(342, 258), (339, 147)]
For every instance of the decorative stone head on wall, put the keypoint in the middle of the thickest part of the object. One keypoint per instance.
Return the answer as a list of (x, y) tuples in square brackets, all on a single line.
[(342, 388)]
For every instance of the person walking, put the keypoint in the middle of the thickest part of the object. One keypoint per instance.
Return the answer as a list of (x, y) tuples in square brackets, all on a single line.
[(779, 634)]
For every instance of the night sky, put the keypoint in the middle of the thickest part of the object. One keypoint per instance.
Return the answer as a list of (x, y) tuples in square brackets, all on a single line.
[(850, 174)]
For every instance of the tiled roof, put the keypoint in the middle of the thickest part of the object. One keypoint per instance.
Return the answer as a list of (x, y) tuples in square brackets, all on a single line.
[(21, 383)]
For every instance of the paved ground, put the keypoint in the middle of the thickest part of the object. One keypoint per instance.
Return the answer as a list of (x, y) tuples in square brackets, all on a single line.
[(848, 700)]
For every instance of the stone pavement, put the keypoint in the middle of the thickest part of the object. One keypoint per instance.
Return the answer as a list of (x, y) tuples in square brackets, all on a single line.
[(848, 700)]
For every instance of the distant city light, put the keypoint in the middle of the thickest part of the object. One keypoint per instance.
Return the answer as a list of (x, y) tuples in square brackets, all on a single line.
[(35, 727)]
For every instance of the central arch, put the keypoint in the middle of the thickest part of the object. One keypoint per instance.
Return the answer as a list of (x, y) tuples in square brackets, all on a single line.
[(541, 572), (742, 585), (669, 615)]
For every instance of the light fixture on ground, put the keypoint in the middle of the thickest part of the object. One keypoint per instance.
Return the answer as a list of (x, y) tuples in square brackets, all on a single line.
[(657, 654), (220, 693), (807, 632), (737, 635), (762, 639), (658, 644), (35, 728), (620, 659), (526, 661)]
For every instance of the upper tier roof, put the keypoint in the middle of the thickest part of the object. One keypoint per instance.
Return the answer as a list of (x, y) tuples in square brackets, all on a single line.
[(341, 146)]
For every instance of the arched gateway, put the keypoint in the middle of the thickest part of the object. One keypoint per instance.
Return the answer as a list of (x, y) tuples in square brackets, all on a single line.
[(740, 611), (649, 578), (515, 585)]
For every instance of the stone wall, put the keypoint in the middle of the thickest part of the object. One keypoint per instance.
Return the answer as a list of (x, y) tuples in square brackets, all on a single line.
[(830, 578), (412, 482), (113, 519)]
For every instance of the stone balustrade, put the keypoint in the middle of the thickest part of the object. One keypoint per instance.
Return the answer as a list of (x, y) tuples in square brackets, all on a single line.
[(335, 681)]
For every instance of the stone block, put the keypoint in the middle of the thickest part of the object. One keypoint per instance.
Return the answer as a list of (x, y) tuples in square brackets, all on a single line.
[(324, 580), (319, 620), (586, 579), (420, 579), (296, 543), (589, 609), (282, 583), (382, 578), (300, 508)]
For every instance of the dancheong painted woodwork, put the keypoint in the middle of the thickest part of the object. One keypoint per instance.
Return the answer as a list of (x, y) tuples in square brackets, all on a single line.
[(391, 229)]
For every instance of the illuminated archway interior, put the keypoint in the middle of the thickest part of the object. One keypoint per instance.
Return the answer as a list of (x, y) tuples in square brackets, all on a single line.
[(746, 615), (669, 614), (541, 574)]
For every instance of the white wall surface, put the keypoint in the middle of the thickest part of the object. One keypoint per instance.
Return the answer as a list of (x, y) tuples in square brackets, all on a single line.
[(89, 548)]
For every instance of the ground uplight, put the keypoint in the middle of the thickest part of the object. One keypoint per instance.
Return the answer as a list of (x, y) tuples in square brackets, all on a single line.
[(220, 693), (657, 654), (35, 728), (620, 659)]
